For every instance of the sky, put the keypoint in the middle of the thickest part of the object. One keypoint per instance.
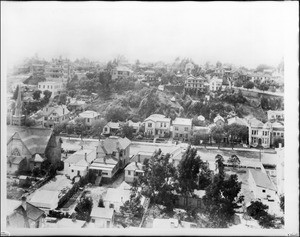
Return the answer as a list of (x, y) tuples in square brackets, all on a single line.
[(245, 34)]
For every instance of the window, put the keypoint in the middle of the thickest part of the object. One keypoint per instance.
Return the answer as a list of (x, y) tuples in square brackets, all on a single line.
[(104, 173), (88, 120), (176, 128), (105, 129), (93, 220), (149, 125), (129, 172), (263, 190), (165, 124), (186, 129), (161, 124), (72, 171)]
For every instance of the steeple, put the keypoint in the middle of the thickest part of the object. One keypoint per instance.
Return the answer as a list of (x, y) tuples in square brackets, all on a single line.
[(18, 110)]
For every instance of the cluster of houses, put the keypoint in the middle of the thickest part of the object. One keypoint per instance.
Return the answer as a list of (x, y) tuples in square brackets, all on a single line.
[(30, 147)]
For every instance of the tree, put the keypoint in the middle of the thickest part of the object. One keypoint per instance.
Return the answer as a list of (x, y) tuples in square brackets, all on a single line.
[(62, 99), (188, 170), (97, 127), (220, 200), (132, 208), (217, 134), (219, 161), (116, 113), (205, 176), (47, 94), (158, 180), (36, 95), (29, 122), (278, 140), (84, 208), (72, 93), (234, 160), (282, 203), (257, 209), (127, 131), (58, 128), (249, 85)]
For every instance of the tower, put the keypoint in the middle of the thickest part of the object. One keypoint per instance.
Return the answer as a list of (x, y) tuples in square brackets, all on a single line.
[(17, 118)]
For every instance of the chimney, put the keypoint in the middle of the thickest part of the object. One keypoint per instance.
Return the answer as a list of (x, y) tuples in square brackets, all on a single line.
[(136, 164), (24, 203)]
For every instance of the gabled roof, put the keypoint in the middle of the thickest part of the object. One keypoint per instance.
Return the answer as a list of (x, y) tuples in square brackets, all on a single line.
[(35, 139), (89, 114), (32, 212), (182, 121), (102, 212), (158, 118), (79, 156), (113, 125), (253, 122), (38, 158), (134, 166), (262, 180), (218, 117), (237, 120), (113, 143)]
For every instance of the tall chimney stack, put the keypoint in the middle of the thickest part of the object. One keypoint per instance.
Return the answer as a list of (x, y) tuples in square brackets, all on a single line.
[(24, 203)]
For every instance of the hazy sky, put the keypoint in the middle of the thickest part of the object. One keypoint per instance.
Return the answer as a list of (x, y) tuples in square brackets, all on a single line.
[(240, 33)]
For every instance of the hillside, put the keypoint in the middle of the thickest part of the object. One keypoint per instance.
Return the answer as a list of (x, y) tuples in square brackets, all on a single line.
[(34, 80)]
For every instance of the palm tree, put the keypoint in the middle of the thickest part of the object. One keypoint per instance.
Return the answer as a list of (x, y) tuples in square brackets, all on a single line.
[(219, 160)]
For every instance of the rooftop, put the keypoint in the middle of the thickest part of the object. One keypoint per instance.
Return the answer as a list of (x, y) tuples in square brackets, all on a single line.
[(89, 114), (69, 223), (112, 144), (262, 179), (35, 139), (134, 166), (32, 212), (80, 155), (102, 212), (113, 125), (182, 121), (158, 118)]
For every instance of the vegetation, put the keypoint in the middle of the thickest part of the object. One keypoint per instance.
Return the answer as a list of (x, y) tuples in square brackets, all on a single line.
[(84, 208)]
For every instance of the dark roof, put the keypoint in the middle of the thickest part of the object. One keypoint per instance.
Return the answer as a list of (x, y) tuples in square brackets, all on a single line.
[(262, 179), (33, 212), (113, 142), (35, 139)]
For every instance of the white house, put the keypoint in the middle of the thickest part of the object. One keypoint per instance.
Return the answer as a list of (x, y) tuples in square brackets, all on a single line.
[(77, 164), (89, 117), (132, 171), (102, 217), (275, 115), (54, 87), (157, 124), (262, 186), (111, 128), (182, 128), (215, 84)]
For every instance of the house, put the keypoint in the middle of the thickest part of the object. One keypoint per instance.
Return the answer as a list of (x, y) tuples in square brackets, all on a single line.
[(157, 124), (77, 105), (90, 117), (26, 215), (132, 171), (55, 87), (200, 131), (150, 75), (182, 128), (215, 83), (77, 164), (55, 115), (275, 115), (47, 196), (111, 128), (121, 72), (259, 133), (102, 217), (262, 186), (197, 83), (23, 146), (219, 121), (189, 67), (112, 154)]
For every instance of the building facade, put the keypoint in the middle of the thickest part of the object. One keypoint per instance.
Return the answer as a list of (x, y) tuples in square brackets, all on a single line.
[(182, 128), (157, 125), (55, 87)]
